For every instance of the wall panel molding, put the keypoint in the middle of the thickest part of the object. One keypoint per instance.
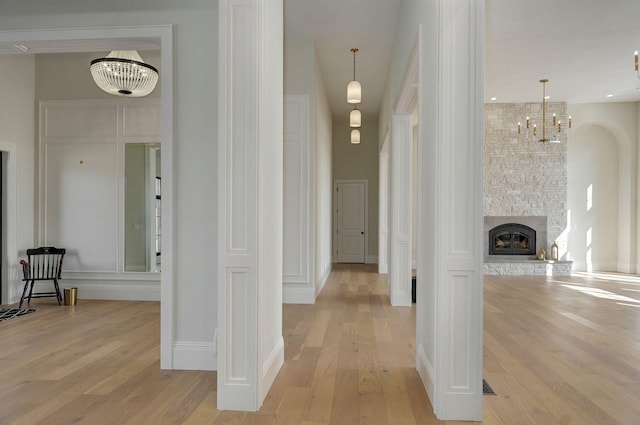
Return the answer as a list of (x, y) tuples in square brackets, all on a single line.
[(297, 192), (81, 180)]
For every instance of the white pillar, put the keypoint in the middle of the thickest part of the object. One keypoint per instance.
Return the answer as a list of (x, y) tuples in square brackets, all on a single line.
[(450, 251), (250, 161), (383, 211), (400, 195)]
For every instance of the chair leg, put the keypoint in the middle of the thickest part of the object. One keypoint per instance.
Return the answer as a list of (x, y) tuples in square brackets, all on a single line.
[(24, 292), (30, 291), (58, 294)]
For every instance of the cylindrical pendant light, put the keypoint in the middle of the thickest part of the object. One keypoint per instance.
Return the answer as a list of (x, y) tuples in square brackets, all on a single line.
[(355, 118), (355, 136), (354, 89)]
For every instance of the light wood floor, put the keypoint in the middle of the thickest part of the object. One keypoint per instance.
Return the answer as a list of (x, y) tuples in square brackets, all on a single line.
[(557, 351)]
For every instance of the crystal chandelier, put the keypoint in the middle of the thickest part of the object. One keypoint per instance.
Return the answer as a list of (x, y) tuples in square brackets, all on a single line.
[(123, 73)]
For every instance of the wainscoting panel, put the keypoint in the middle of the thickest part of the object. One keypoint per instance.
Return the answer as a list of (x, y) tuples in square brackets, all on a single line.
[(81, 188), (81, 207), (297, 192), (140, 121), (80, 119)]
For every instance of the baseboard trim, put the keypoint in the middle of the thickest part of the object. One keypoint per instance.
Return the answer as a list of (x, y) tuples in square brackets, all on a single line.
[(298, 295), (194, 355), (323, 279), (115, 289), (271, 367), (425, 370), (400, 299)]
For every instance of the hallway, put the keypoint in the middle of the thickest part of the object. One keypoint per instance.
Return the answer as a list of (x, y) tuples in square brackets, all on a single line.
[(350, 358)]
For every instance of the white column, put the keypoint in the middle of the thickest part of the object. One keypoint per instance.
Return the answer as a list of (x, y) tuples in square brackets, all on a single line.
[(383, 211), (456, 241), (250, 344), (400, 180)]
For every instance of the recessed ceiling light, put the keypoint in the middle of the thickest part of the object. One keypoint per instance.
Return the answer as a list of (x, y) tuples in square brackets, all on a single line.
[(494, 98), (547, 97), (609, 95)]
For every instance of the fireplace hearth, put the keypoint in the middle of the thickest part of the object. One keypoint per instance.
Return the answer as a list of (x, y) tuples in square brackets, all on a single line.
[(524, 240), (512, 239), (530, 233)]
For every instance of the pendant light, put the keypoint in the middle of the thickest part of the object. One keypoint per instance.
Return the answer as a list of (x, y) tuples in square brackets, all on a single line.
[(355, 117), (123, 73), (354, 89), (555, 123), (355, 136)]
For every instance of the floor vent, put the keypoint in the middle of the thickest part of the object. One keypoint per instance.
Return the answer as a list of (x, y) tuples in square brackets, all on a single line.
[(486, 389)]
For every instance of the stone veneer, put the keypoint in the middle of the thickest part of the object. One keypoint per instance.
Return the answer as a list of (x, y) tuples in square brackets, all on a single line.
[(524, 177)]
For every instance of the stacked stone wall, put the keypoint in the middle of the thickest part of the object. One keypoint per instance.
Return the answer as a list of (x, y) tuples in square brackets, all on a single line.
[(522, 176)]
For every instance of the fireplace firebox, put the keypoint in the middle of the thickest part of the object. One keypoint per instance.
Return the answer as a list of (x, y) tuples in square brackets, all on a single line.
[(512, 239)]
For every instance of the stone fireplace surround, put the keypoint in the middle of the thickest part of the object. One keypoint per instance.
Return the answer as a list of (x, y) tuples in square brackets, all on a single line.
[(525, 178), (522, 264)]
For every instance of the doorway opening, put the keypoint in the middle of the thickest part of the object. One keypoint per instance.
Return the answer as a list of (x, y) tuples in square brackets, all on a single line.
[(96, 39)]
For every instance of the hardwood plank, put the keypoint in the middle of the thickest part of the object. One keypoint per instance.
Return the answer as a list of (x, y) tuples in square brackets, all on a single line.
[(557, 351)]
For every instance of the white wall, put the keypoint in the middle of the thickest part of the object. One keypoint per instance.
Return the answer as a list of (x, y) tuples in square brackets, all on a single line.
[(17, 138), (593, 199), (603, 154), (307, 222), (195, 156), (323, 182)]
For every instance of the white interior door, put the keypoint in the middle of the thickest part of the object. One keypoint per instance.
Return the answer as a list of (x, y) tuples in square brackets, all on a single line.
[(351, 221)]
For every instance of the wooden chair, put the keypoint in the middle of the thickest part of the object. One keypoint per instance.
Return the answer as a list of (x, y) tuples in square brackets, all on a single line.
[(44, 263)]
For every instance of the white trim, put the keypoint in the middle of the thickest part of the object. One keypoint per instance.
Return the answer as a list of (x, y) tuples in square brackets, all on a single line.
[(194, 355), (271, 367), (383, 208), (426, 371), (322, 279), (11, 272), (298, 295), (115, 290)]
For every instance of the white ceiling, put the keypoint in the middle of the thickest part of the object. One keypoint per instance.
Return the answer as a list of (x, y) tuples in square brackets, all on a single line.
[(584, 47), (338, 26)]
